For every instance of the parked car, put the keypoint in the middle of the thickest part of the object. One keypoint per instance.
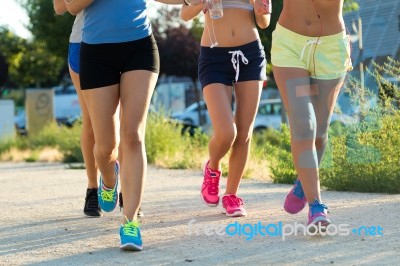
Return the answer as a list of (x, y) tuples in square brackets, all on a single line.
[(66, 103), (19, 121), (268, 115), (190, 116)]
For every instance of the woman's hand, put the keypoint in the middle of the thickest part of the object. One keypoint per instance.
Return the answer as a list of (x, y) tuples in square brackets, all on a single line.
[(262, 7)]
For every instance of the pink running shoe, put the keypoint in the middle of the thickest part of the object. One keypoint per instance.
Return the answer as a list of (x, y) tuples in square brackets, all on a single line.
[(295, 199), (210, 188), (318, 216), (233, 206)]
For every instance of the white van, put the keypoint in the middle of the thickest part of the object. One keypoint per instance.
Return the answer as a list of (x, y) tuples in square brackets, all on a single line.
[(268, 115)]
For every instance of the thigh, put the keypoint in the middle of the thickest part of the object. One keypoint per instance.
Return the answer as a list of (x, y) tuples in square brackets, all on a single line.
[(102, 105), (295, 88), (247, 99), (82, 103), (136, 90), (324, 102), (296, 92), (218, 98)]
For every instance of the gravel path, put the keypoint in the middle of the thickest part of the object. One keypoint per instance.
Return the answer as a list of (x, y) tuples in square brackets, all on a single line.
[(43, 224)]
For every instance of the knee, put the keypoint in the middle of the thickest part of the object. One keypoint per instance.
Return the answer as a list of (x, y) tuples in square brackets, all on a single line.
[(303, 128), (132, 139), (322, 130), (87, 131), (321, 140), (243, 137), (107, 150), (226, 136)]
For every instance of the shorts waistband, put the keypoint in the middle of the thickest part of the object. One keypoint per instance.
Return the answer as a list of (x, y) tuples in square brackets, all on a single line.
[(298, 38), (251, 46)]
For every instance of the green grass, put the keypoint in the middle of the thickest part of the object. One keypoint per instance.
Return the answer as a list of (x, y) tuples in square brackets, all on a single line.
[(363, 157)]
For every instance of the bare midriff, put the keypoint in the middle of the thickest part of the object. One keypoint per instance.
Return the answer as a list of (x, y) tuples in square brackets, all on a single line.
[(312, 17), (235, 28)]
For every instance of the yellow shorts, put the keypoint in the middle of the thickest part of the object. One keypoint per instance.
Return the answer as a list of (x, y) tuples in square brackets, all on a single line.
[(325, 58)]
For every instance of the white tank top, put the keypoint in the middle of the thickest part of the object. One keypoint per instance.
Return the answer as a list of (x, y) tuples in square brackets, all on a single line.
[(76, 33), (243, 4)]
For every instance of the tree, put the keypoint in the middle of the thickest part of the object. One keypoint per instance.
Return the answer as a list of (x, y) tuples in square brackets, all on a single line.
[(3, 72), (47, 27), (35, 65), (179, 52), (179, 48), (10, 47), (350, 5), (28, 62)]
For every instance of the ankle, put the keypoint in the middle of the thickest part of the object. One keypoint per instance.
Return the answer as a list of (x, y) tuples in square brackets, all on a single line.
[(214, 167), (315, 202)]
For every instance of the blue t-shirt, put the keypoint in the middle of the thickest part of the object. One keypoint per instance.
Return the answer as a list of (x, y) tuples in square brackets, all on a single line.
[(114, 21)]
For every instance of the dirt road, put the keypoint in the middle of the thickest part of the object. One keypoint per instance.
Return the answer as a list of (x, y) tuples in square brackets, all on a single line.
[(42, 223)]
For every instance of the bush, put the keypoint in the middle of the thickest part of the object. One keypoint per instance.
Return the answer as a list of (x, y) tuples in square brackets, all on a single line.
[(366, 159), (274, 147), (363, 157), (67, 140), (166, 145)]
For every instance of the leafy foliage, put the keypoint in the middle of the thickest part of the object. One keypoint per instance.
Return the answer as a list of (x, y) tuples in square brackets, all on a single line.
[(47, 27), (361, 157)]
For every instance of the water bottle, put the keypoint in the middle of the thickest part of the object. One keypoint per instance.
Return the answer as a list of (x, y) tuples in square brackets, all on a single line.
[(216, 10)]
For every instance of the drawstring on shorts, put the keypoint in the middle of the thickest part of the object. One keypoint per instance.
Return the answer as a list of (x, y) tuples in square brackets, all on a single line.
[(312, 43), (236, 61)]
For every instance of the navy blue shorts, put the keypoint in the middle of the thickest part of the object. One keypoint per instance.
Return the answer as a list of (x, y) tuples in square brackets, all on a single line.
[(73, 56), (217, 65), (102, 65)]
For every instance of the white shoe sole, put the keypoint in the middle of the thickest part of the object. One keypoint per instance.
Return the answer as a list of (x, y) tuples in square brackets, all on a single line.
[(235, 214), (131, 247), (321, 223)]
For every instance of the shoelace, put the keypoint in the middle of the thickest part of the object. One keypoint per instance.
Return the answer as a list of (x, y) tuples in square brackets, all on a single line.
[(131, 228), (108, 195), (235, 201), (298, 189), (212, 182), (91, 199), (317, 206)]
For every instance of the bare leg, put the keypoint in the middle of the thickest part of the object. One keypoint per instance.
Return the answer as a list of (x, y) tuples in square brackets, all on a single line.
[(102, 104), (87, 136), (247, 100), (218, 98), (294, 87), (324, 104), (136, 90), (310, 104)]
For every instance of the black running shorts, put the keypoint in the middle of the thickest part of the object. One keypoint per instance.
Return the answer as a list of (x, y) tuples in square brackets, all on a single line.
[(103, 64)]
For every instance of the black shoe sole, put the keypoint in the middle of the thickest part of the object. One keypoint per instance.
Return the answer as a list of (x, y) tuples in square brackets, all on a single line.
[(94, 214)]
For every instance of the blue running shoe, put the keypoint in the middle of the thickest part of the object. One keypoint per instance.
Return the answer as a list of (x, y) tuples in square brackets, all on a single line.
[(108, 198), (131, 240), (318, 216)]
